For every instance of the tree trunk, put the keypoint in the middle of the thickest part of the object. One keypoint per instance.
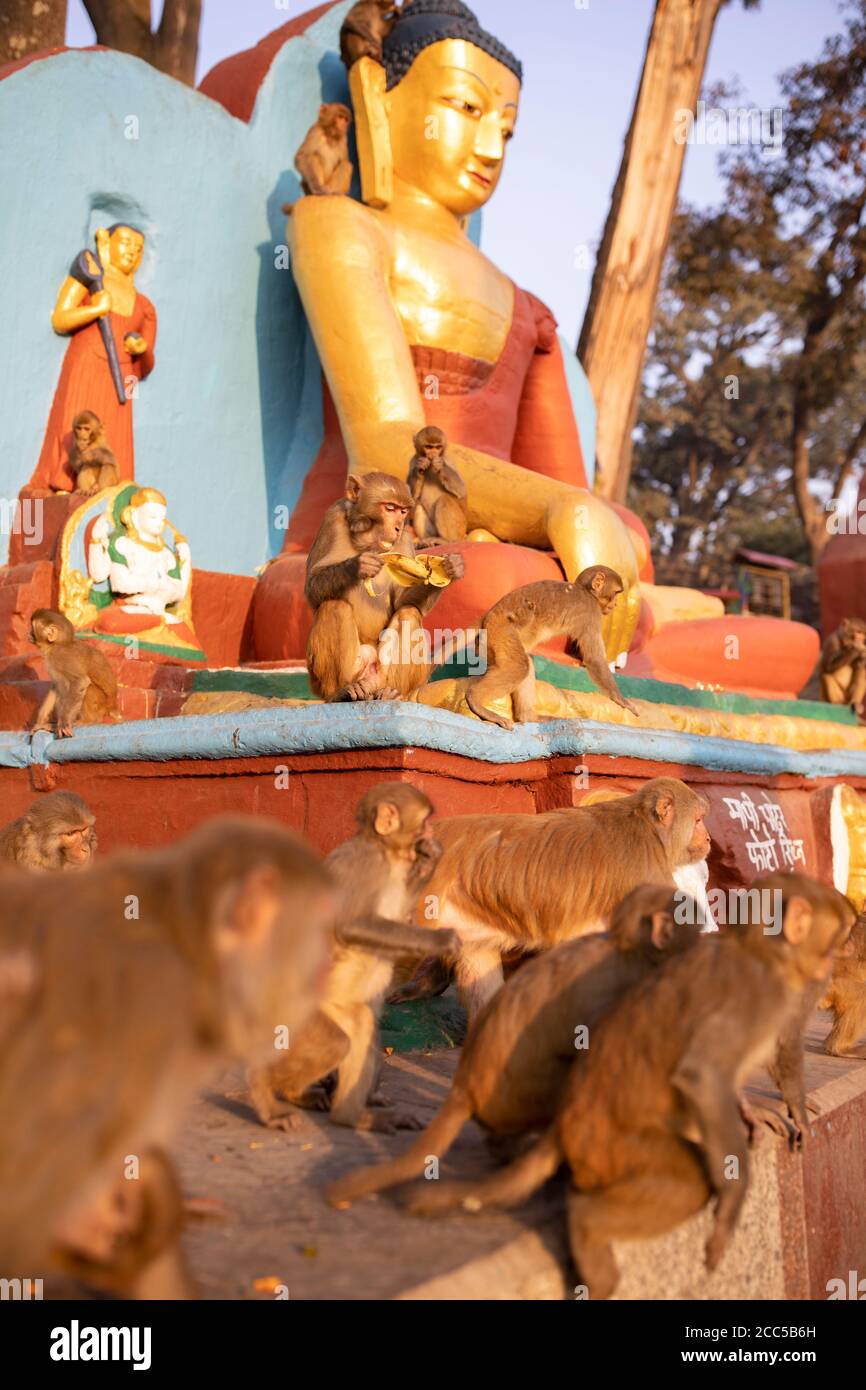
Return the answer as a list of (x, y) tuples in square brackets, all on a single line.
[(625, 284), (125, 25), (813, 518), (27, 26)]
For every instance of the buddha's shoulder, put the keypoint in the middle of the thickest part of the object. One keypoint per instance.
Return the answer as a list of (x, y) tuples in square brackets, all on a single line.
[(314, 217)]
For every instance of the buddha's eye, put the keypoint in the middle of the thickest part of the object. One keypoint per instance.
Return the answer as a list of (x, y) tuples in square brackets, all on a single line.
[(461, 104)]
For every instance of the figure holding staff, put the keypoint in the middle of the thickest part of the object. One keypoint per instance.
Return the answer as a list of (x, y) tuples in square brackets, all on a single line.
[(113, 330)]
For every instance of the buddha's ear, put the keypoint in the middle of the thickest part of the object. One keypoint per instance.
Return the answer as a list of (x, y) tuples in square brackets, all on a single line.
[(372, 132)]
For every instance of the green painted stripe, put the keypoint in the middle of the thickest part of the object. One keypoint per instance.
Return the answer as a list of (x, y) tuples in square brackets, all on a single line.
[(120, 640), (294, 685)]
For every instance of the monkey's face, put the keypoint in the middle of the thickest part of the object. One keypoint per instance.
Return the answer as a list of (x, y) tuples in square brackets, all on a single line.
[(389, 522), (43, 634), (472, 100), (77, 846), (433, 453), (823, 930), (85, 434), (700, 843)]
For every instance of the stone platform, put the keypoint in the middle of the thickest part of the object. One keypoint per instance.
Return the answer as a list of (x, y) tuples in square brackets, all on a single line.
[(804, 1222)]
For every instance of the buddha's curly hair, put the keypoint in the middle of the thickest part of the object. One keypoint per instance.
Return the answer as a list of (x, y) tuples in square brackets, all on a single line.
[(425, 22)]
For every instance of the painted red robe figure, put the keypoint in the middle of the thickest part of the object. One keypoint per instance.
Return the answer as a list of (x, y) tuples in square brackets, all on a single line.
[(86, 381)]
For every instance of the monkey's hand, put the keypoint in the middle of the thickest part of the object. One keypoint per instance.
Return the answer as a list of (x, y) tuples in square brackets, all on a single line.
[(369, 564), (454, 566), (64, 731), (628, 706)]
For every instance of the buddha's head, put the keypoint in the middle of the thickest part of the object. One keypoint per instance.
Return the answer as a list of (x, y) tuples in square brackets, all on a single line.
[(444, 106)]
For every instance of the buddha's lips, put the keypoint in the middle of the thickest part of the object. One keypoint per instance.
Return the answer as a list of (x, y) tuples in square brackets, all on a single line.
[(479, 178)]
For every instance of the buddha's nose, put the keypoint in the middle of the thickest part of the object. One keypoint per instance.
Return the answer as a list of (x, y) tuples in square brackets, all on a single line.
[(489, 143)]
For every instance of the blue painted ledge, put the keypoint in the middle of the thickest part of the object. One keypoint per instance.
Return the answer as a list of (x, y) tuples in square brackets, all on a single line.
[(335, 728)]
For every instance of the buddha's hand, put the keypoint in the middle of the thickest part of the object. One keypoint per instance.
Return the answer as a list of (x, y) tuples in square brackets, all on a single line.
[(101, 530), (101, 303), (182, 551), (454, 566), (369, 564), (135, 344)]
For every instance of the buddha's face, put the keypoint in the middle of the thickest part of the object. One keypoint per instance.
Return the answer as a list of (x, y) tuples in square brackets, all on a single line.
[(149, 520), (126, 248), (451, 118)]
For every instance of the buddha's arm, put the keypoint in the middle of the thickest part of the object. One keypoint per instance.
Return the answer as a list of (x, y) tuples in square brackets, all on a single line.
[(70, 312), (341, 264)]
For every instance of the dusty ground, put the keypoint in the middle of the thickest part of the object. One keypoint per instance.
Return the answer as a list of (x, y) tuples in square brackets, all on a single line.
[(276, 1225)]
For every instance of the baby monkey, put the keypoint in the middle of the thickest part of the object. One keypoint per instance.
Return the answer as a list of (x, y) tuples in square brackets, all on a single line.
[(84, 688), (531, 615), (437, 489), (91, 460)]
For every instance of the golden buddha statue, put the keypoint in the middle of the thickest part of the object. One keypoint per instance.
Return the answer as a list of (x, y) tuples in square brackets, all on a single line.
[(415, 325)]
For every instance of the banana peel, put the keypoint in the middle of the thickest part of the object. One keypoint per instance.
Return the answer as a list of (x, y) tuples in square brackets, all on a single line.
[(407, 570)]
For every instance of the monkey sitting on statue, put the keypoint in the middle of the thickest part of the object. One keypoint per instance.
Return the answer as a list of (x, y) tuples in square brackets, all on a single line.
[(84, 688), (362, 645), (843, 665), (365, 28), (91, 460), (437, 489), (323, 159)]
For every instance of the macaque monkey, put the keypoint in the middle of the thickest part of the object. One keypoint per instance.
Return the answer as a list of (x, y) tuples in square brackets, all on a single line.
[(84, 687), (533, 614), (345, 649), (123, 991), (845, 996), (91, 460), (55, 833), (380, 872), (521, 1048), (438, 490), (843, 665), (649, 1121), (323, 159), (365, 28), (524, 883)]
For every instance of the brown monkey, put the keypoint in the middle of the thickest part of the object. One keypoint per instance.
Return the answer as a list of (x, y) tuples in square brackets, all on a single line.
[(55, 833), (84, 685), (380, 871), (520, 1049), (522, 883), (438, 490), (365, 28), (652, 1149), (323, 159), (843, 664), (533, 614), (346, 647), (91, 460), (845, 996), (122, 991)]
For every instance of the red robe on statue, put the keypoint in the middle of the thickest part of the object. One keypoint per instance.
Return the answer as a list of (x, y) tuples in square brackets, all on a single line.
[(86, 384)]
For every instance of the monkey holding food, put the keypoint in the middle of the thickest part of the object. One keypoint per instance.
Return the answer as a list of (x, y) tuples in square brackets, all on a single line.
[(351, 625), (111, 1022), (365, 28), (533, 614), (84, 687), (438, 490), (381, 871), (650, 1151), (55, 833), (323, 158), (90, 459), (843, 665), (520, 1049)]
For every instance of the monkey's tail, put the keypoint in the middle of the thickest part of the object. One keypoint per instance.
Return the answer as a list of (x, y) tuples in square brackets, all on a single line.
[(509, 1188), (433, 1143)]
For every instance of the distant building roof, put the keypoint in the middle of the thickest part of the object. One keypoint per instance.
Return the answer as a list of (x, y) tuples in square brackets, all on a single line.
[(773, 562)]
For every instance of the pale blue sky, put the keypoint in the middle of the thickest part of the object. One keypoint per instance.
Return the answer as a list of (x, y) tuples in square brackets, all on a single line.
[(581, 69)]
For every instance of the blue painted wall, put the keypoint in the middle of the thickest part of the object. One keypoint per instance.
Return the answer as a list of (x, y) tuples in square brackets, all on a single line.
[(230, 420)]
